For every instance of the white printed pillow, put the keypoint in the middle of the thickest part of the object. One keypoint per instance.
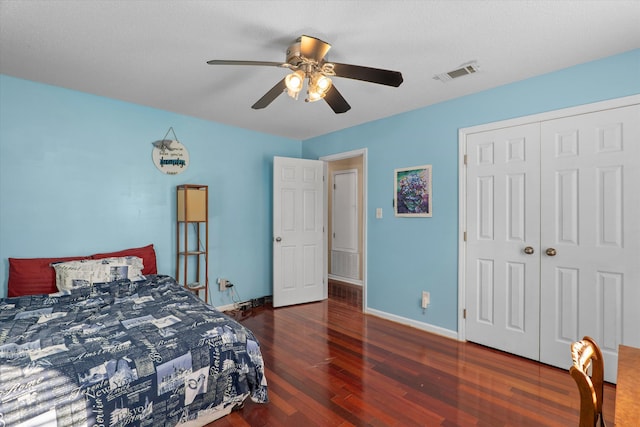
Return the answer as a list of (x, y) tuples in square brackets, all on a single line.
[(83, 273)]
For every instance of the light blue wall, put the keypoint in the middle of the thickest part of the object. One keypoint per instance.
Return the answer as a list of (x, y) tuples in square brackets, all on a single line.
[(76, 177), (408, 255)]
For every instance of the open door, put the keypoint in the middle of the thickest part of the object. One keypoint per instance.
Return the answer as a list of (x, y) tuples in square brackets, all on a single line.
[(298, 235)]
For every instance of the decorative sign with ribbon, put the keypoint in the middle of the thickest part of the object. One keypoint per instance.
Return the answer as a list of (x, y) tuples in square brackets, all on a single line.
[(169, 155)]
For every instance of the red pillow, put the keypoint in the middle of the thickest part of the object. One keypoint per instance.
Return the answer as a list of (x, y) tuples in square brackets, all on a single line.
[(31, 276), (147, 253)]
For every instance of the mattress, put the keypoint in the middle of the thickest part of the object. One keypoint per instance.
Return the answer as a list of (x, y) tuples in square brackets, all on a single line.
[(123, 353)]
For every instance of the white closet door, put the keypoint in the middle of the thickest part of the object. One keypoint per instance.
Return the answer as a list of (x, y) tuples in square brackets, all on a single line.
[(590, 212), (503, 282)]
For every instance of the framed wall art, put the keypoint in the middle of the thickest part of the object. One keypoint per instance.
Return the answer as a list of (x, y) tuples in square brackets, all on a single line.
[(412, 192)]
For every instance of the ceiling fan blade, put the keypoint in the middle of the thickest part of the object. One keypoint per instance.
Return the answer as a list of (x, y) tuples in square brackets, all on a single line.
[(368, 74), (231, 62), (313, 48), (336, 101), (268, 97)]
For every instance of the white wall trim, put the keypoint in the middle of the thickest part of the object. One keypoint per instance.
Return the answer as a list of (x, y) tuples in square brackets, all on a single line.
[(462, 174), (227, 307), (346, 280), (344, 155), (437, 330), (462, 227)]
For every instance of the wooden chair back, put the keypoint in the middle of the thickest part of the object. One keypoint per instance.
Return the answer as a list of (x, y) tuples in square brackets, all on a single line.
[(588, 372)]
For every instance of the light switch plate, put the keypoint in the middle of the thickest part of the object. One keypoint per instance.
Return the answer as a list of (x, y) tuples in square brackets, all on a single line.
[(378, 213), (426, 299)]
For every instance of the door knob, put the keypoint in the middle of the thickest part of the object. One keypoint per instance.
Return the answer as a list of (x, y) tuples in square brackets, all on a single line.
[(278, 239), (551, 252), (528, 250)]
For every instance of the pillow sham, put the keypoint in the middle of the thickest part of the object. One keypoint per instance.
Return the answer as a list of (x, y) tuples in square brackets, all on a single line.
[(84, 273), (147, 253)]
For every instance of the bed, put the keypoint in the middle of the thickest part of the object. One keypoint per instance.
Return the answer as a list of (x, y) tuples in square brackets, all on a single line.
[(139, 351)]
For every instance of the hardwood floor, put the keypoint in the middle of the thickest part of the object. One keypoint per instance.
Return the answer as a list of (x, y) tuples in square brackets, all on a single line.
[(329, 365), (345, 292)]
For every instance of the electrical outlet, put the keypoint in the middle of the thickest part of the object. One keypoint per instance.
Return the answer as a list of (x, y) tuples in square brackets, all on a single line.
[(426, 299), (223, 284)]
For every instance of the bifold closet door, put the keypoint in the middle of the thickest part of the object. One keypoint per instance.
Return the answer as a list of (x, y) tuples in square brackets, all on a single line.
[(503, 231), (553, 236), (590, 234)]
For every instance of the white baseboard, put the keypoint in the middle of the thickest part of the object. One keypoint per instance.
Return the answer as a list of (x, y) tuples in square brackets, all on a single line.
[(414, 323), (392, 317), (345, 280), (227, 307)]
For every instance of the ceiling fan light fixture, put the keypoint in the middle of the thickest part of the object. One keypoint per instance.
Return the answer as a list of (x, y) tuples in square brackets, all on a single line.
[(319, 85), (323, 83), (294, 82), (314, 96)]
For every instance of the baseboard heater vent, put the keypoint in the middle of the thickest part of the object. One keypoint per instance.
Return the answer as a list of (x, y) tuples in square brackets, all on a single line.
[(345, 264)]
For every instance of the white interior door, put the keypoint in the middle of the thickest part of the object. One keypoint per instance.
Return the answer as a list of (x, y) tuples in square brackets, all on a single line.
[(345, 211), (298, 221), (503, 227), (344, 225), (591, 234)]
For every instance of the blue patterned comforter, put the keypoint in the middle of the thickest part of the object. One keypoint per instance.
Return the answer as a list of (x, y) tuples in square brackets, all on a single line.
[(147, 353)]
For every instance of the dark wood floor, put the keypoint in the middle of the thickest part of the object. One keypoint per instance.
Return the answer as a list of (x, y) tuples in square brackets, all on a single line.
[(329, 365)]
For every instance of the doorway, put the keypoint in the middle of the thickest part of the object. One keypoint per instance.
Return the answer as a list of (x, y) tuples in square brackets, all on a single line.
[(346, 219)]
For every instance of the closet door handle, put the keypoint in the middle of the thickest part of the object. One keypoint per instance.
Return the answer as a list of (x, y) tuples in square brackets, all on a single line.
[(529, 250), (278, 239), (551, 252)]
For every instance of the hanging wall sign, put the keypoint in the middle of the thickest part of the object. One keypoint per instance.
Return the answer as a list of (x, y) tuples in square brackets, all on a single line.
[(170, 156)]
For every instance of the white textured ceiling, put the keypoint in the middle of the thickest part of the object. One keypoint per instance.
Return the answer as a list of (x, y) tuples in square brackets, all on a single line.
[(154, 53)]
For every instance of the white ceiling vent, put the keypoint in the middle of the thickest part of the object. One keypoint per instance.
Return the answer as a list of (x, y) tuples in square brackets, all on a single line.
[(465, 69)]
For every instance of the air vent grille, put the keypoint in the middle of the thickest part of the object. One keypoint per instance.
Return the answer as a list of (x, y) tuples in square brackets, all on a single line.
[(465, 69)]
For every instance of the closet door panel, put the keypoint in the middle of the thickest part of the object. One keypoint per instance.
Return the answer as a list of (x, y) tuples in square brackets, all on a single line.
[(590, 234), (502, 292)]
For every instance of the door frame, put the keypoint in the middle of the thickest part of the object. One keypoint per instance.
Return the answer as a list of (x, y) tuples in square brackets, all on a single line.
[(340, 156), (462, 176)]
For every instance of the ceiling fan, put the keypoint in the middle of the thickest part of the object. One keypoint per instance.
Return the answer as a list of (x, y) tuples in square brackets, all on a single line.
[(306, 59)]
